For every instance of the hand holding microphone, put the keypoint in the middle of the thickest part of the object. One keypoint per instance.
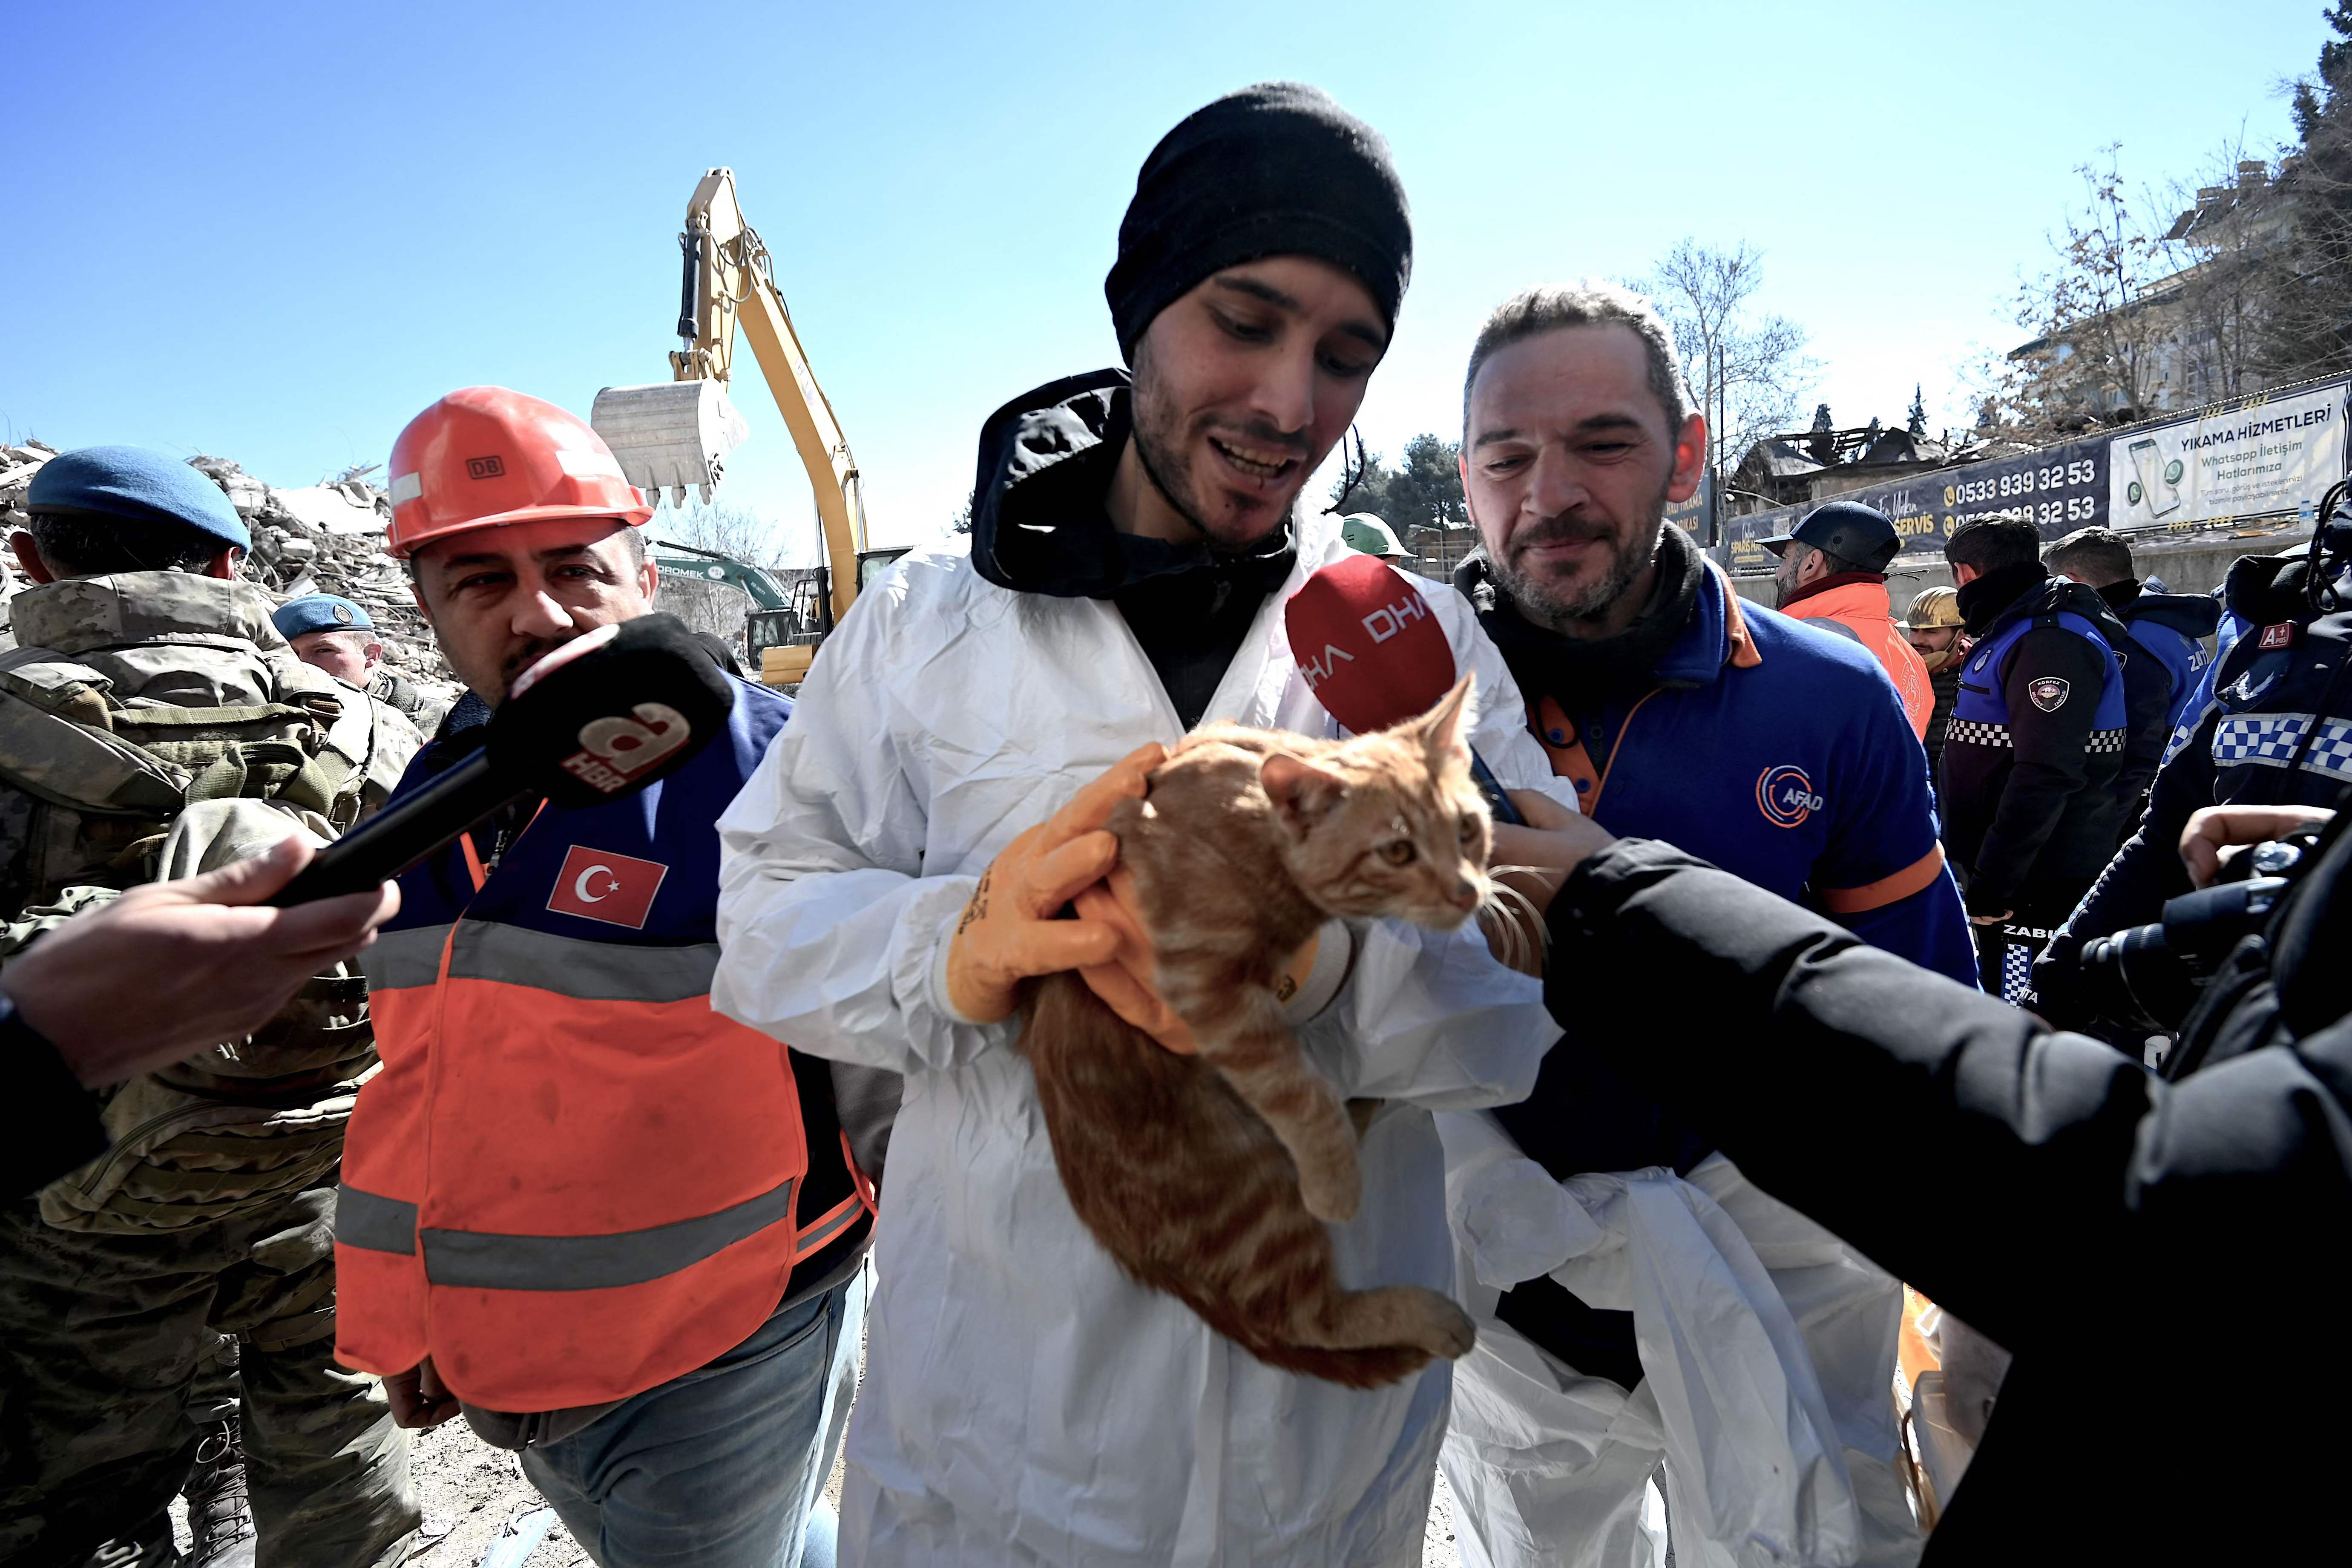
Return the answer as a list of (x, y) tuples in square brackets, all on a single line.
[(602, 717), (1374, 657)]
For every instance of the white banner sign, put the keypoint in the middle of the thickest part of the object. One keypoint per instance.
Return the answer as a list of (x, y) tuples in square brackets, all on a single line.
[(2260, 455)]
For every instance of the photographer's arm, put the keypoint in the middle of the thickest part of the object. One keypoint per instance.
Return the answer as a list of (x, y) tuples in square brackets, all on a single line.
[(2133, 887), (2025, 1179)]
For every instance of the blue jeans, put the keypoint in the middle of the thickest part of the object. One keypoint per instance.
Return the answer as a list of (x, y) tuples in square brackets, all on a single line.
[(724, 1467)]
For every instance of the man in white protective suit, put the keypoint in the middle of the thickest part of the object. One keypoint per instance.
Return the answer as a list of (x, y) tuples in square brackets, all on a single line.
[(890, 869)]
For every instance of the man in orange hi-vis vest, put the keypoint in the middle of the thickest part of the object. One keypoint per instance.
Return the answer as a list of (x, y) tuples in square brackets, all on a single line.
[(1832, 573), (623, 1233)]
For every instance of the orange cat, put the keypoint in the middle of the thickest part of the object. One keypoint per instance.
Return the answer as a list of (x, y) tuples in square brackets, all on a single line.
[(1209, 1176)]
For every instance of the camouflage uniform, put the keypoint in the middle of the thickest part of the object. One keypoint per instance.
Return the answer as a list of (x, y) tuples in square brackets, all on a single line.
[(153, 724), (408, 700)]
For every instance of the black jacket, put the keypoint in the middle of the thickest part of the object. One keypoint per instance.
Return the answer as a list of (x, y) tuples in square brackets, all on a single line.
[(2159, 1256), (1039, 526), (2312, 676), (2038, 813), (2148, 679), (53, 1124)]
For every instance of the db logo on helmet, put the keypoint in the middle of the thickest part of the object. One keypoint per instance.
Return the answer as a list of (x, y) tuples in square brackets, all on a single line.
[(614, 750), (1786, 797)]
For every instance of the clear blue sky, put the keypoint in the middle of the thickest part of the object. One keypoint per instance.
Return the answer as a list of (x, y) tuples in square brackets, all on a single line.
[(275, 233)]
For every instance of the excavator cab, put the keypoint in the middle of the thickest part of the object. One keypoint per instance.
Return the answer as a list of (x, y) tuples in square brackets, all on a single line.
[(785, 660)]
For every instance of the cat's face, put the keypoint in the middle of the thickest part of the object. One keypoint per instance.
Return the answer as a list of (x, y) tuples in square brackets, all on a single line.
[(1390, 825)]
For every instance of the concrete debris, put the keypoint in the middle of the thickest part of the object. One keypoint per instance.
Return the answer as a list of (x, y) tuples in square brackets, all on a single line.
[(329, 539), (326, 538), (17, 466)]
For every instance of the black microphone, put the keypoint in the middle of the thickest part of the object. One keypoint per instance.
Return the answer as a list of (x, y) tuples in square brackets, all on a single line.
[(602, 717), (1374, 657)]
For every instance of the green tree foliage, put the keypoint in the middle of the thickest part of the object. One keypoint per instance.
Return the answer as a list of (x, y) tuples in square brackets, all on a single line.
[(1424, 490), (1918, 422)]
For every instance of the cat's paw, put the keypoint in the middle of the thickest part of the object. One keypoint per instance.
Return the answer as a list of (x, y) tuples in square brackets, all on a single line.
[(1444, 1329), (1332, 1191)]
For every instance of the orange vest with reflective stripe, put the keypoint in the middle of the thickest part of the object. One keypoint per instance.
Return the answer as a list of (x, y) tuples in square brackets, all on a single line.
[(1864, 609), (572, 1180)]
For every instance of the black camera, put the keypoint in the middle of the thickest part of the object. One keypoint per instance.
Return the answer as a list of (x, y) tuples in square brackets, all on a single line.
[(2150, 976)]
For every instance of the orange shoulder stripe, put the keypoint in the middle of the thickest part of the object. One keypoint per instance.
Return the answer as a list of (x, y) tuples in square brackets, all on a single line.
[(1886, 891), (1744, 654)]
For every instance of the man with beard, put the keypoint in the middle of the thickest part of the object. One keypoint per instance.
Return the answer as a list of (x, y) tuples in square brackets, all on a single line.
[(893, 869), (1933, 626), (1833, 574), (1679, 714)]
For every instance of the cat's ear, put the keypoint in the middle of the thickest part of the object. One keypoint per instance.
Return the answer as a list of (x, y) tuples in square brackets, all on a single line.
[(1442, 727), (1302, 795)]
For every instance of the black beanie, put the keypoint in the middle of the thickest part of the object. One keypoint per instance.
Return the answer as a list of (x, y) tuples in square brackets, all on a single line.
[(1279, 169)]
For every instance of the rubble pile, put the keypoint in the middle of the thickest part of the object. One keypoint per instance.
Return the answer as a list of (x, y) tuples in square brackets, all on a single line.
[(329, 539), (17, 466), (324, 539)]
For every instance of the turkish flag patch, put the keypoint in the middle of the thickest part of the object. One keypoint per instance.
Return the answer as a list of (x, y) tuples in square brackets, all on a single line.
[(598, 885)]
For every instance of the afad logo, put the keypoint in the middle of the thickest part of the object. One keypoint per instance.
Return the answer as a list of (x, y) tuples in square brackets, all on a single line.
[(1785, 796)]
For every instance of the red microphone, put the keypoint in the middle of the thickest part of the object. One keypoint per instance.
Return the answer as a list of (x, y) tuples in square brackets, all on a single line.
[(1374, 655)]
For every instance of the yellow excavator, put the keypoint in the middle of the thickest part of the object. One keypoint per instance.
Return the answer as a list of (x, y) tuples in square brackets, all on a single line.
[(673, 434)]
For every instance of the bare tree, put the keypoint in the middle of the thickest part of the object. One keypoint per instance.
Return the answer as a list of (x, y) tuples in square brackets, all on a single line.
[(2306, 330), (2151, 303), (2225, 249), (1754, 363), (724, 528), (2093, 357)]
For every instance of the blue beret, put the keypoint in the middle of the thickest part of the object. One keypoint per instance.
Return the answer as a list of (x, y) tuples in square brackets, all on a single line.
[(317, 613), (138, 486)]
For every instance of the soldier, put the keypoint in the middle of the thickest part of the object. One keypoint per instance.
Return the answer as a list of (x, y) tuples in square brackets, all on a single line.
[(330, 632), (153, 725)]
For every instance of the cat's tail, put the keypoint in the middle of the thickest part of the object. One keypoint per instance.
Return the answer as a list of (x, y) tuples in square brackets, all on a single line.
[(1369, 1366), (1376, 1367)]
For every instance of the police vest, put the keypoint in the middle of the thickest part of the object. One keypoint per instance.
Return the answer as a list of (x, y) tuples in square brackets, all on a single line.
[(573, 1181), (1980, 714), (2282, 715)]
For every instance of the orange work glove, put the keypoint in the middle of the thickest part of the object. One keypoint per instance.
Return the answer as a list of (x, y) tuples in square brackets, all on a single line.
[(1010, 931), (1128, 984)]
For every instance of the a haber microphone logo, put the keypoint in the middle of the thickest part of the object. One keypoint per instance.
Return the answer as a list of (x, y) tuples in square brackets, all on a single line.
[(1786, 797), (598, 885), (614, 749)]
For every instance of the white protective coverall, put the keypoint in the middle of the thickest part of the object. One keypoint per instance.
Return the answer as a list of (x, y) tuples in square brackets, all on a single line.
[(1025, 1402), (1739, 1303)]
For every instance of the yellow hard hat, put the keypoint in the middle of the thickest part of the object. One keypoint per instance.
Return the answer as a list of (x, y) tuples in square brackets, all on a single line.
[(1935, 607)]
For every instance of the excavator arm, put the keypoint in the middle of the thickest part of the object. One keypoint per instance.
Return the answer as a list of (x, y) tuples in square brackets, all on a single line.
[(671, 434), (729, 280)]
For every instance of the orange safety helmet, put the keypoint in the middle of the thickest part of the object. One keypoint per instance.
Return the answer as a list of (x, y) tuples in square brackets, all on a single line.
[(486, 455)]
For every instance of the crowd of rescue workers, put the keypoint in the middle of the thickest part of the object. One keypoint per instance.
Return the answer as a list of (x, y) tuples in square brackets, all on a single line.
[(960, 1039)]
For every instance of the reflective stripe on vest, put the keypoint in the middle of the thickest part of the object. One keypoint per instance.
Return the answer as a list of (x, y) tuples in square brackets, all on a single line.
[(1980, 713), (581, 970), (2270, 740), (403, 960), (489, 1261)]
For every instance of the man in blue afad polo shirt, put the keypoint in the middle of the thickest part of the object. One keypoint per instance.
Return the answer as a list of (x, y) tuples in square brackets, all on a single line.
[(1783, 755)]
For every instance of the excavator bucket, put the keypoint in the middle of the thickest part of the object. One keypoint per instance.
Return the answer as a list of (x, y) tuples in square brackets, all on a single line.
[(670, 435)]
